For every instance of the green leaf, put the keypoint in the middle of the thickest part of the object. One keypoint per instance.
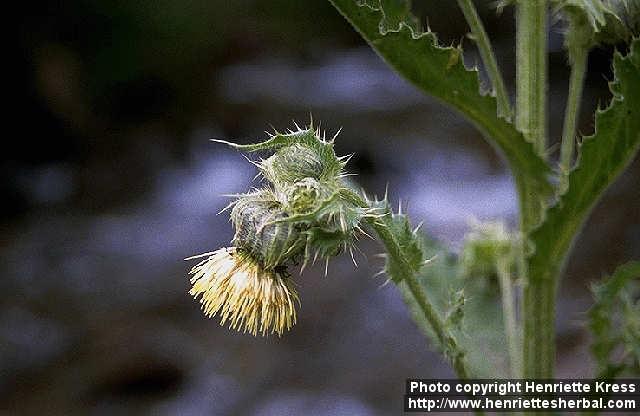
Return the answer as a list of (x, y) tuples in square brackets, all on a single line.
[(394, 13), (464, 310), (440, 72), (602, 157), (409, 243), (614, 321), (473, 312)]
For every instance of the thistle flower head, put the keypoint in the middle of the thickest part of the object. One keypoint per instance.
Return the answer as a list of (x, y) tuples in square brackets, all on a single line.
[(234, 286), (305, 209)]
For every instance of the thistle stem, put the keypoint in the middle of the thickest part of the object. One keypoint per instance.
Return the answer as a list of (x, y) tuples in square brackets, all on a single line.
[(488, 57), (539, 294), (407, 275), (576, 84), (509, 313), (531, 71)]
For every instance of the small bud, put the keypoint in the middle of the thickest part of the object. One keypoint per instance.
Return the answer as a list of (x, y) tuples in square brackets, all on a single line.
[(483, 246), (309, 196), (297, 155), (292, 164), (258, 218), (303, 196)]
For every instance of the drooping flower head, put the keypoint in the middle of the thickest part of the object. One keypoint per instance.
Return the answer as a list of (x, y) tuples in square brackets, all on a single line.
[(314, 213), (304, 210), (232, 285)]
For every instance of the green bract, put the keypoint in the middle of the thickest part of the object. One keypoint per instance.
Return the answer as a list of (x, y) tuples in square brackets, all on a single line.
[(305, 210), (257, 218), (484, 247)]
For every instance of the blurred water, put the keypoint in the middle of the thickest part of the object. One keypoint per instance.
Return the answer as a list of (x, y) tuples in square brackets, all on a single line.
[(353, 81)]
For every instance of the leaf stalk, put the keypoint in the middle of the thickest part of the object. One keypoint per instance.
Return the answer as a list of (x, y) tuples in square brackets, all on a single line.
[(571, 114), (488, 57), (407, 275)]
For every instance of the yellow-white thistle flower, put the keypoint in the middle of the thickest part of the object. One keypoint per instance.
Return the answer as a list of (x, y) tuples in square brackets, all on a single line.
[(241, 291)]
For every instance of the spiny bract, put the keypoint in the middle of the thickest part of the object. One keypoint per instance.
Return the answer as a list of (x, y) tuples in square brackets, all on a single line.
[(311, 212), (305, 210)]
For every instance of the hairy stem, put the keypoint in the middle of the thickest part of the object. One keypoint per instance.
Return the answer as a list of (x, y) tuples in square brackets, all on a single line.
[(572, 110), (531, 71), (407, 275), (539, 294), (488, 57), (509, 313)]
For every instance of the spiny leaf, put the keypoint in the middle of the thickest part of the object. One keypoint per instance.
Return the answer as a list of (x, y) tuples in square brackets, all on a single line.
[(602, 157), (474, 320), (440, 72), (614, 320), (394, 13), (398, 228), (455, 311)]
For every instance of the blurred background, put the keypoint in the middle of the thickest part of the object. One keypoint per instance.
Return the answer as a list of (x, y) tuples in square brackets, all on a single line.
[(109, 181)]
